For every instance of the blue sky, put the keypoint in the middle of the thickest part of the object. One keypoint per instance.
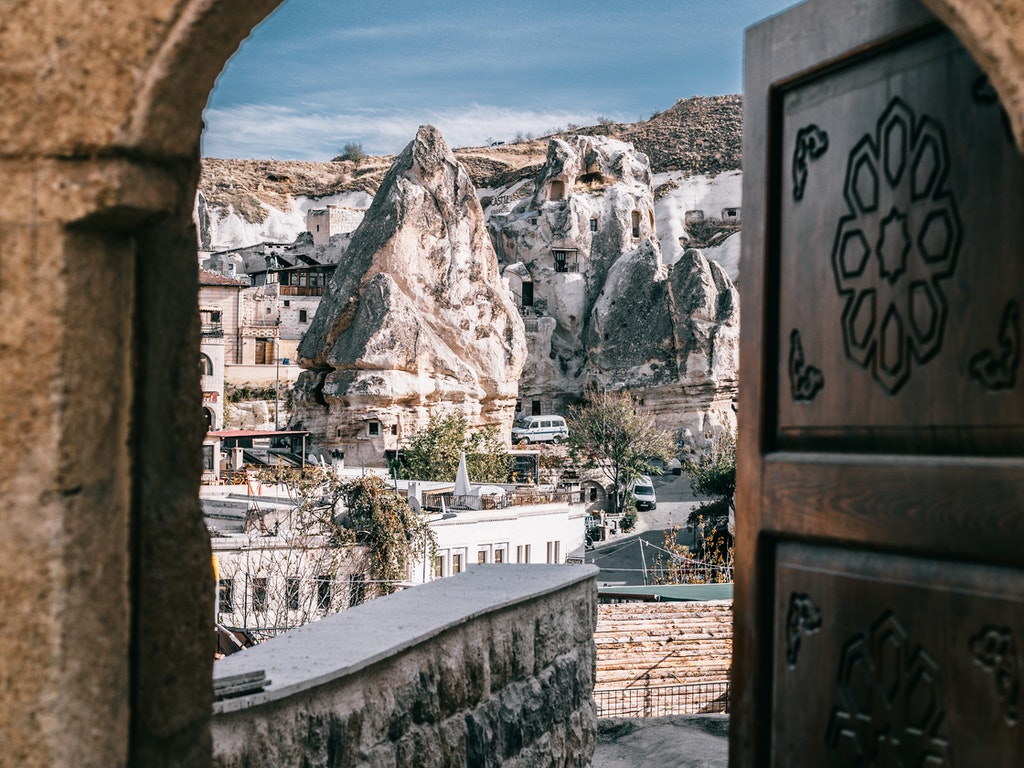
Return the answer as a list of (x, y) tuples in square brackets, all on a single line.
[(319, 74)]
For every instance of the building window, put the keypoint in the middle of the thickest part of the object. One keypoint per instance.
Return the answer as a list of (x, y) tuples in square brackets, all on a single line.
[(323, 593), (439, 567), (287, 302), (291, 592), (562, 261), (527, 294), (636, 223), (499, 555), (456, 564), (481, 557), (356, 589), (226, 595), (373, 428), (535, 407), (259, 594), (264, 352), (593, 493), (533, 220), (523, 553), (593, 225), (394, 429), (553, 551), (303, 316), (208, 456), (205, 365)]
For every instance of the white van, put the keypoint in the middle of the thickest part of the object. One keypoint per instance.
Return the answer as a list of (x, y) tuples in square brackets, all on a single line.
[(539, 429), (643, 493)]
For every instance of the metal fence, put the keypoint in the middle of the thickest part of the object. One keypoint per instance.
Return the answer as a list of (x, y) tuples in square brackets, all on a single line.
[(663, 700)]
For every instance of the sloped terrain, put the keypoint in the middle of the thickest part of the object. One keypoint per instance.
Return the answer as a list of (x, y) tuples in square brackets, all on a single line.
[(701, 135)]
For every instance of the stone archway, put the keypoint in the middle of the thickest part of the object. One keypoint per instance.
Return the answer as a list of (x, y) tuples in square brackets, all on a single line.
[(104, 566), (104, 570)]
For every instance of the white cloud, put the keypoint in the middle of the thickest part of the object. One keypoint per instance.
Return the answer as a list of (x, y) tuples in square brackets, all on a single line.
[(263, 131)]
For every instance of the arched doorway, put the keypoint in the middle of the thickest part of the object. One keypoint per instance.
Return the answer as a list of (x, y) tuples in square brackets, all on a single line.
[(104, 566)]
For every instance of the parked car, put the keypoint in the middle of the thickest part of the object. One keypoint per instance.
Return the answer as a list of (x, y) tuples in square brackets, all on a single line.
[(643, 493), (539, 429)]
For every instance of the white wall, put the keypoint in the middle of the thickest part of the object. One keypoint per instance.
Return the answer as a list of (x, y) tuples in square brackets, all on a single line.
[(509, 531)]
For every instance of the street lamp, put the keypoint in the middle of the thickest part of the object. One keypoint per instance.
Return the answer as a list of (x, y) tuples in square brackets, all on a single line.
[(277, 389)]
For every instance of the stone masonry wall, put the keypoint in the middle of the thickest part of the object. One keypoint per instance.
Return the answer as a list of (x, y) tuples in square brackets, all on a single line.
[(510, 685)]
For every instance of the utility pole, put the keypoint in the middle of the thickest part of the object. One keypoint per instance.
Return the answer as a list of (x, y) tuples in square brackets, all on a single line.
[(277, 389)]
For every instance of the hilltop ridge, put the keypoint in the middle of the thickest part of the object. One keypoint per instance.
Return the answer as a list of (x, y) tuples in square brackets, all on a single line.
[(699, 135)]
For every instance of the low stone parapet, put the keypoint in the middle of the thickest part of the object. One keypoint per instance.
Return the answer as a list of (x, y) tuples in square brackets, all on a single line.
[(494, 666)]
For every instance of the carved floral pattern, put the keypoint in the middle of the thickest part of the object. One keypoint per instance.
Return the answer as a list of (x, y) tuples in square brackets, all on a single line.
[(995, 650), (997, 369), (890, 709), (900, 238), (803, 618), (805, 380), (811, 143)]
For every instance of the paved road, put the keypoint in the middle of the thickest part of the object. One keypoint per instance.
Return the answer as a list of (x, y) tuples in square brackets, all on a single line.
[(622, 558)]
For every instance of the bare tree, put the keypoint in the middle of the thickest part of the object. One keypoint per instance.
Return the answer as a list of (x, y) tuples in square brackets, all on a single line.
[(326, 546), (619, 438)]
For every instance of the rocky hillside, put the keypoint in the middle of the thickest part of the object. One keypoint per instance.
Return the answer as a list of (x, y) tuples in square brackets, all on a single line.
[(701, 135)]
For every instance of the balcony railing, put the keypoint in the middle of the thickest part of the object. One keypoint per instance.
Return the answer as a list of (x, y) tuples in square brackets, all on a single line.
[(447, 500), (301, 290), (211, 330), (664, 700)]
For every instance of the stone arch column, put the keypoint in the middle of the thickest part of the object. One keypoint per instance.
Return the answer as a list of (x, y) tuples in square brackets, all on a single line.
[(105, 578), (993, 32)]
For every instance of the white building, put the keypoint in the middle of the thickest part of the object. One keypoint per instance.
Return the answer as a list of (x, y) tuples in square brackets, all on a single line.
[(536, 533), (272, 576)]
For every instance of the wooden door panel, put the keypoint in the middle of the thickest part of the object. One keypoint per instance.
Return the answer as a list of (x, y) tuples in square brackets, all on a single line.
[(911, 661), (880, 486), (902, 193)]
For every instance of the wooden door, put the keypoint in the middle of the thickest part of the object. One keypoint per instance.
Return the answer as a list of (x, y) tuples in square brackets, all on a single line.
[(880, 526)]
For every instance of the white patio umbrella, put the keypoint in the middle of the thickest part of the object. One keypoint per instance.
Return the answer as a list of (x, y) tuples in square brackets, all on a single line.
[(462, 478)]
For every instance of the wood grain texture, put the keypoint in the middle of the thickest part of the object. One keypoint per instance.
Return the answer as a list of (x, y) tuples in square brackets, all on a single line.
[(912, 471)]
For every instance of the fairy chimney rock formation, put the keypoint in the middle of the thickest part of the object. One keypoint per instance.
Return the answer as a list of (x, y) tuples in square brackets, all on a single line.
[(416, 318), (602, 308)]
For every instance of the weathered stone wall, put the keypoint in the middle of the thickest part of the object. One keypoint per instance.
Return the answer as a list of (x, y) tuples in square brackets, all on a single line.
[(492, 667)]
